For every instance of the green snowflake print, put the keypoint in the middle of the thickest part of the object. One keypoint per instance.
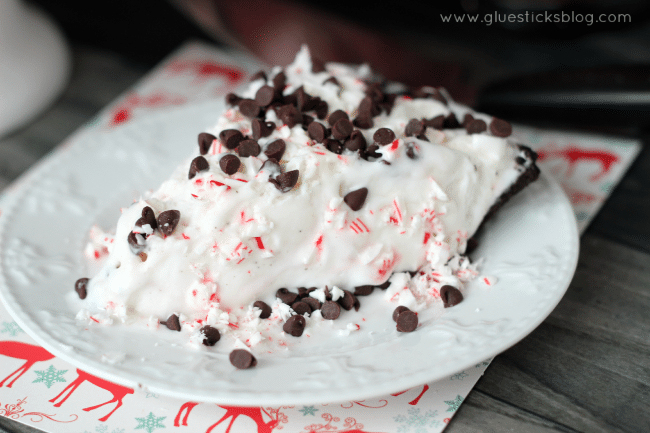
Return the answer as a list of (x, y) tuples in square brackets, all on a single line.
[(454, 404), (49, 376), (417, 422), (484, 363), (308, 410), (459, 376), (11, 328), (150, 423), (150, 395)]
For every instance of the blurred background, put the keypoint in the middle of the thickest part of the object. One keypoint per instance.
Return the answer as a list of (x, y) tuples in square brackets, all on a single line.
[(405, 40)]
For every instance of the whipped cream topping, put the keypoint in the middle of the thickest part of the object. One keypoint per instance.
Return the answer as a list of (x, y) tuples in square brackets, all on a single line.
[(239, 238)]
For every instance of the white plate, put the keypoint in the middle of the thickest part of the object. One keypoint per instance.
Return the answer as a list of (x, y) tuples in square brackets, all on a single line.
[(531, 246)]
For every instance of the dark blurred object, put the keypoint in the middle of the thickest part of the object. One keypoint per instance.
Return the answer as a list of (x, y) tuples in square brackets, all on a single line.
[(143, 31), (607, 96)]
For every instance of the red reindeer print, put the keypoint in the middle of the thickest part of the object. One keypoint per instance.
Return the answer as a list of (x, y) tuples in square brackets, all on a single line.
[(350, 425), (415, 401), (118, 391), (574, 154), (254, 413), (28, 352)]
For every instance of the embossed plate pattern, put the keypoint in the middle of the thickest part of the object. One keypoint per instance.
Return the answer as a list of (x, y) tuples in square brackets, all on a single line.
[(531, 246)]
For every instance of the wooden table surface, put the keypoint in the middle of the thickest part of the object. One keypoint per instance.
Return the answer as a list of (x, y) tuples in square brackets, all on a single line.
[(586, 368)]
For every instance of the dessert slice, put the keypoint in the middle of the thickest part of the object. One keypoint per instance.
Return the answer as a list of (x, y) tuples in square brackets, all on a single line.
[(316, 182)]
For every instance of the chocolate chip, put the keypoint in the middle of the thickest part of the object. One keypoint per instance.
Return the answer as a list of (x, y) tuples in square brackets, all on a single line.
[(500, 127), (368, 108), (248, 148), (383, 136), (286, 181), (80, 286), (295, 325), (261, 128), (342, 129), (363, 290), (242, 359), (450, 296), (432, 93), (148, 217), (384, 285), (337, 115), (437, 122), (306, 121), (249, 108), (317, 65), (279, 81), (476, 126), (388, 103), (519, 160), (286, 296), (265, 309), (397, 311), (321, 108), (411, 151), (302, 99), (264, 96), (374, 92), (210, 335), (356, 141), (348, 301), (289, 115), (355, 199), (198, 164), (230, 138), (467, 119), (363, 122), (168, 220), (301, 307), (328, 294), (173, 323), (205, 141), (317, 131), (229, 164), (275, 149), (451, 122), (330, 310), (333, 81), (371, 152), (415, 127), (143, 256), (259, 75), (232, 99), (313, 303), (407, 321), (333, 146), (136, 242)]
